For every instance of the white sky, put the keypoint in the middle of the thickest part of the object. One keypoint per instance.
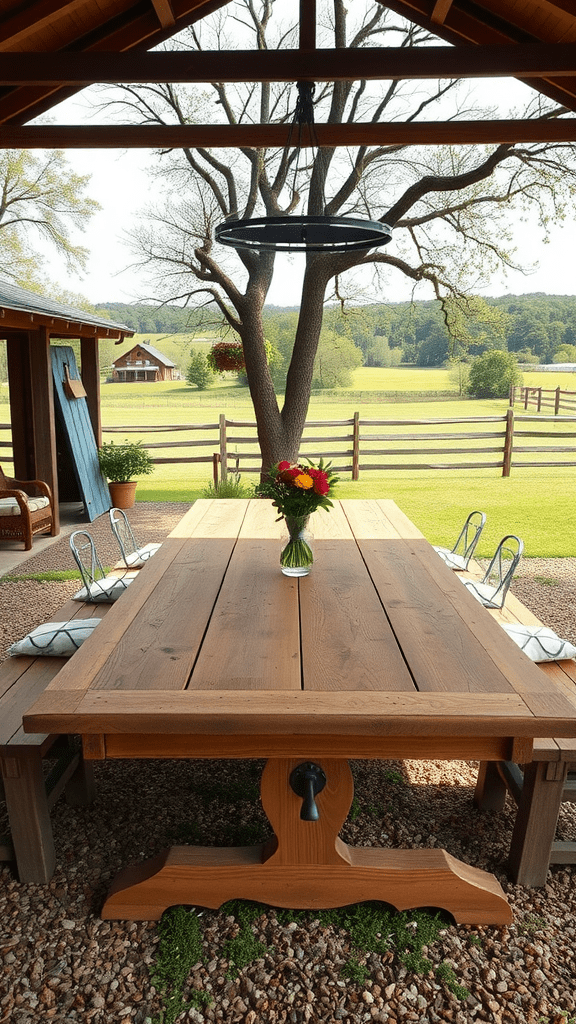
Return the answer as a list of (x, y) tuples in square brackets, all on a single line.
[(121, 185)]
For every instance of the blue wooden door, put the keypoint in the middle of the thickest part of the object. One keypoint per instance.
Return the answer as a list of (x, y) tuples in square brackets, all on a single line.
[(78, 435)]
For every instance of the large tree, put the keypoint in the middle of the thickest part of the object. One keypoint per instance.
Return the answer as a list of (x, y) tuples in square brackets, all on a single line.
[(449, 207), (42, 201)]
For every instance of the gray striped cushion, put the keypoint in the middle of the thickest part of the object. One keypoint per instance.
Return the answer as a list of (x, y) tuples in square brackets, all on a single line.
[(540, 643)]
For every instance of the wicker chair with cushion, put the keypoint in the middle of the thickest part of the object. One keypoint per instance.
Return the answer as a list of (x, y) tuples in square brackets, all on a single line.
[(26, 508)]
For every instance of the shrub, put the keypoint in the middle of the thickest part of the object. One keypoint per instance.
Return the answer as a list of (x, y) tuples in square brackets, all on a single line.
[(492, 374), (199, 373)]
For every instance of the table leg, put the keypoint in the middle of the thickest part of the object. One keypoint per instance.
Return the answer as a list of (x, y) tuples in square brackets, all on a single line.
[(307, 865)]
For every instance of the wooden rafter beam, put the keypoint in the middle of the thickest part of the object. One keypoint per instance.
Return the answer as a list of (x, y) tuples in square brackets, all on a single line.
[(423, 133), (440, 11), (384, 63), (15, 28), (164, 13), (307, 38)]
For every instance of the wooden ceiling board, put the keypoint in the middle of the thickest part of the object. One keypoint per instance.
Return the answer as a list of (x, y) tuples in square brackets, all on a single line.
[(18, 27), (51, 26), (543, 21)]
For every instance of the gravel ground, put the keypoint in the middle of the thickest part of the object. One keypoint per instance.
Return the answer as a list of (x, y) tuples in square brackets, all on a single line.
[(62, 963)]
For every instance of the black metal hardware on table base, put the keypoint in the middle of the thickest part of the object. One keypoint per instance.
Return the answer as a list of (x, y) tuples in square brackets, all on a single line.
[(307, 780)]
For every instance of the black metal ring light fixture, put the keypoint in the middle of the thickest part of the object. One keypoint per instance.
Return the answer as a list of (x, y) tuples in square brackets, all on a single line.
[(303, 233)]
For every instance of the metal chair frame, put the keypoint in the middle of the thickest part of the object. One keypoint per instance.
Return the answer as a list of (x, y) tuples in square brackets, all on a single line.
[(133, 555), (459, 556), (491, 590), (91, 570)]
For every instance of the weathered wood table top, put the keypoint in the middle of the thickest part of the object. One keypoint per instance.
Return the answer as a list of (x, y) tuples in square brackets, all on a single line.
[(380, 652)]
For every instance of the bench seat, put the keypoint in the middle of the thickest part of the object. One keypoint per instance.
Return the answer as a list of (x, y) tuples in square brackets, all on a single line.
[(538, 788), (29, 796)]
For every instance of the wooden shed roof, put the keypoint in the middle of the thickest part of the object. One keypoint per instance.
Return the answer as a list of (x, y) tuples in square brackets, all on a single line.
[(50, 48), (24, 310)]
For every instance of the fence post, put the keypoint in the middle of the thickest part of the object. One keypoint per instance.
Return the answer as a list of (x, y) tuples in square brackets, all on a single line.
[(508, 440), (511, 396), (215, 464), (557, 401), (356, 447), (539, 406), (525, 398), (223, 449)]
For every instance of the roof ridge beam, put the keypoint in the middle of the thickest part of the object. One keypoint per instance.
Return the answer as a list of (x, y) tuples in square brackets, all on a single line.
[(531, 60), (213, 136)]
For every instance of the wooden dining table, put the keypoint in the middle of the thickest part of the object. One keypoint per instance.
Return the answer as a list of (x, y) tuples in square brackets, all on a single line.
[(380, 652)]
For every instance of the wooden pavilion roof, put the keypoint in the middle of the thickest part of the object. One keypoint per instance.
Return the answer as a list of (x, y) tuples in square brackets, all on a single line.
[(51, 48)]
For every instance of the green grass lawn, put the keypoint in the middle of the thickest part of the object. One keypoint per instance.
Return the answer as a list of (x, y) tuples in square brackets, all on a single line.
[(537, 504)]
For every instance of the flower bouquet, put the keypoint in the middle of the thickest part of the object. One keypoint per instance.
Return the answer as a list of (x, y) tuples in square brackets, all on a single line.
[(296, 492)]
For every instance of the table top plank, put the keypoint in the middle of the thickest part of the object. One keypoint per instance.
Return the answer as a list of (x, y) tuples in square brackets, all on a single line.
[(347, 642), (253, 638), (440, 650), (156, 630), (482, 657), (97, 649), (523, 675)]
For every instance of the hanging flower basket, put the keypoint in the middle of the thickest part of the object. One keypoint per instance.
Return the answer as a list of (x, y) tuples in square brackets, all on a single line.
[(227, 355)]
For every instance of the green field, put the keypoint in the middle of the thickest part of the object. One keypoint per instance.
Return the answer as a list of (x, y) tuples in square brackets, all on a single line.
[(538, 504), (390, 380)]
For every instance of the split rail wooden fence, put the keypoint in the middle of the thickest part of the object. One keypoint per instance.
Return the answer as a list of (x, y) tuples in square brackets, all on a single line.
[(548, 398), (358, 445)]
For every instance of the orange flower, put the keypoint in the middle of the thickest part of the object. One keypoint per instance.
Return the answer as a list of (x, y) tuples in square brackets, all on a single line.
[(303, 481)]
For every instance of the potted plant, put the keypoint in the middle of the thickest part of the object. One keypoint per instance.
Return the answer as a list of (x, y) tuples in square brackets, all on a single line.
[(120, 463)]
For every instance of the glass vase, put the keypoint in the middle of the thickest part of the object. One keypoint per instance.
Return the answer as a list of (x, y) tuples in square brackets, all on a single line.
[(296, 555)]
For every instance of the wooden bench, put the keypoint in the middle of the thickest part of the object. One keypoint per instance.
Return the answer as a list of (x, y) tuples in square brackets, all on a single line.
[(538, 788), (29, 796)]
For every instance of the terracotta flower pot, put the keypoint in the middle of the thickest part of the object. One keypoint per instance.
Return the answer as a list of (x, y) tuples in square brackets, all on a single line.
[(122, 495)]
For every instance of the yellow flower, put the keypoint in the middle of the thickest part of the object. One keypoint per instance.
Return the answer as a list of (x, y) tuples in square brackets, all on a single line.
[(303, 481)]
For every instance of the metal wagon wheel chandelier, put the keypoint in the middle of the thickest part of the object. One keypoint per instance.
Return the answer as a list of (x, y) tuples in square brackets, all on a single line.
[(289, 233)]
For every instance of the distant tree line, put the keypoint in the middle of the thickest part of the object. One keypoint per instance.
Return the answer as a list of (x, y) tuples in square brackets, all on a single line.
[(147, 319), (538, 328)]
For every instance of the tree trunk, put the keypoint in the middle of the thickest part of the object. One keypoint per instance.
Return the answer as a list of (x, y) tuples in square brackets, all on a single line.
[(280, 432)]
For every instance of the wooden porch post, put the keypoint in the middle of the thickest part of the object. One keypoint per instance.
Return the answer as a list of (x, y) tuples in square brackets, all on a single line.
[(90, 372), (18, 358), (32, 411), (43, 417)]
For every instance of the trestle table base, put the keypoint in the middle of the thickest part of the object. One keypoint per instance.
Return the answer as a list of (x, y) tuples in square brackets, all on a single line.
[(306, 865)]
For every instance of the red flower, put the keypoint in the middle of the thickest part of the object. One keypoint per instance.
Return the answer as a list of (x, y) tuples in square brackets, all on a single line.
[(283, 466), (320, 478), (290, 474)]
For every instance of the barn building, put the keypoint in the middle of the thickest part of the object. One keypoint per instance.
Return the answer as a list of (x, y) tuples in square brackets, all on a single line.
[(143, 363)]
